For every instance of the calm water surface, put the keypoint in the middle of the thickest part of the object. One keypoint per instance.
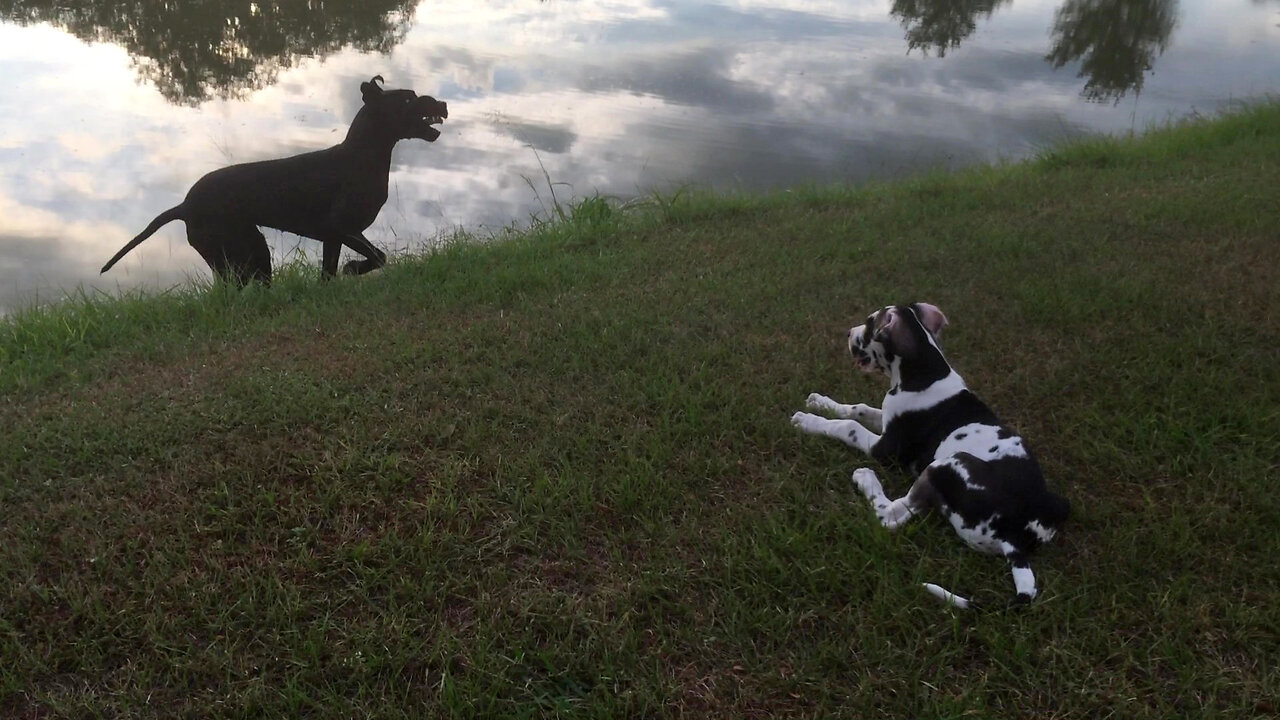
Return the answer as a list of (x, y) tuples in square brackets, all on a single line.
[(109, 111)]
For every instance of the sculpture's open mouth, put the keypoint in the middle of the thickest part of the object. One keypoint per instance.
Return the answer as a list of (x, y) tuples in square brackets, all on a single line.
[(433, 112)]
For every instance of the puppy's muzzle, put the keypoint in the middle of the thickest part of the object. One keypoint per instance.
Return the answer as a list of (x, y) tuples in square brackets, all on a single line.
[(861, 359)]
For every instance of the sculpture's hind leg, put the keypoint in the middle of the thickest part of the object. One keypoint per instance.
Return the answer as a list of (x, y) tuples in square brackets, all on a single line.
[(253, 260), (238, 255), (206, 240)]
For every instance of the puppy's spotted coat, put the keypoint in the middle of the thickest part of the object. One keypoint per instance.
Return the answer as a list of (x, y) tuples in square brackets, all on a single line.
[(974, 470)]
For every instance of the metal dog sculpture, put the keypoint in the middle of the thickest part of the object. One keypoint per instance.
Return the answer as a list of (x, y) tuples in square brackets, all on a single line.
[(328, 195)]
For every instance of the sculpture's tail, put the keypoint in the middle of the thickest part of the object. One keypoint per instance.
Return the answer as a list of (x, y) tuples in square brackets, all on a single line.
[(168, 216)]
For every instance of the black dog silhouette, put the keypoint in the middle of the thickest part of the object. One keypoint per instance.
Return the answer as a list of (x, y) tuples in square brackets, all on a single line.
[(328, 195)]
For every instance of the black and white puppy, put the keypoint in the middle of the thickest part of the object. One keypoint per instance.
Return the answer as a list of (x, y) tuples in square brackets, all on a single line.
[(974, 470)]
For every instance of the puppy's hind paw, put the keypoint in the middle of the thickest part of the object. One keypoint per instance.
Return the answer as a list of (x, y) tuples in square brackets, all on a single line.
[(866, 481)]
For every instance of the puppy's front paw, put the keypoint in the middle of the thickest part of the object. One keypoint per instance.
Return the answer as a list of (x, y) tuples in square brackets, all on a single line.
[(805, 421), (817, 401), (866, 481)]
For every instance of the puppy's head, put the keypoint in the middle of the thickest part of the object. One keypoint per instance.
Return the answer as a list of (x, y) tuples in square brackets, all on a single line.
[(894, 332)]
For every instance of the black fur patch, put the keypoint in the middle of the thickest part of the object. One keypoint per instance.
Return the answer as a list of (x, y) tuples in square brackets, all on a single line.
[(912, 438), (1011, 496), (925, 365)]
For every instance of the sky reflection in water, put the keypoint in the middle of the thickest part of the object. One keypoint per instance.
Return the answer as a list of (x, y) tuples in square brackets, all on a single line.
[(109, 112)]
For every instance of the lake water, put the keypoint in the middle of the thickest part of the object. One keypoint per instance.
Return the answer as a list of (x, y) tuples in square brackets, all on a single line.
[(109, 111)]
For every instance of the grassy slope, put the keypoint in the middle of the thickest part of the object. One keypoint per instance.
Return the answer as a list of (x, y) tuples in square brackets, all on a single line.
[(555, 474)]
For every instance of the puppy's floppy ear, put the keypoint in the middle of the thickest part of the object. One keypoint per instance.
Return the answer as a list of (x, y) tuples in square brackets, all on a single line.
[(930, 317), (372, 89), (892, 331), (886, 323)]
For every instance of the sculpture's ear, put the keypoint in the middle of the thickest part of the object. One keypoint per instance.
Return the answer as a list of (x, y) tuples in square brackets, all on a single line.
[(372, 89)]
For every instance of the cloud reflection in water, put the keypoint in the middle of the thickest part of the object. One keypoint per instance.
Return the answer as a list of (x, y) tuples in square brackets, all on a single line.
[(618, 98)]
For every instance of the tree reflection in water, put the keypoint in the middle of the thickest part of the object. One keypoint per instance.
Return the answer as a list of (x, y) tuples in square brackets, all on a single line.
[(192, 51), (940, 25), (1116, 41)]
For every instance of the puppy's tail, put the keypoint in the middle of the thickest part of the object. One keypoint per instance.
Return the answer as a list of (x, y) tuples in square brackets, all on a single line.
[(168, 216), (1024, 582), (948, 597)]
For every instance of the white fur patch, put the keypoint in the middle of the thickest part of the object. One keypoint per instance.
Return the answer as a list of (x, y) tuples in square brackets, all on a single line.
[(981, 441), (1024, 581), (902, 401), (1042, 533), (960, 470), (980, 537)]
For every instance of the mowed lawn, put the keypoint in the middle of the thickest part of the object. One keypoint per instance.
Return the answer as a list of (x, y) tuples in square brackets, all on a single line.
[(553, 474)]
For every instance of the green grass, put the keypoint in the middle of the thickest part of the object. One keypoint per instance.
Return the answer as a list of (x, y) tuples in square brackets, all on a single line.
[(553, 475)]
